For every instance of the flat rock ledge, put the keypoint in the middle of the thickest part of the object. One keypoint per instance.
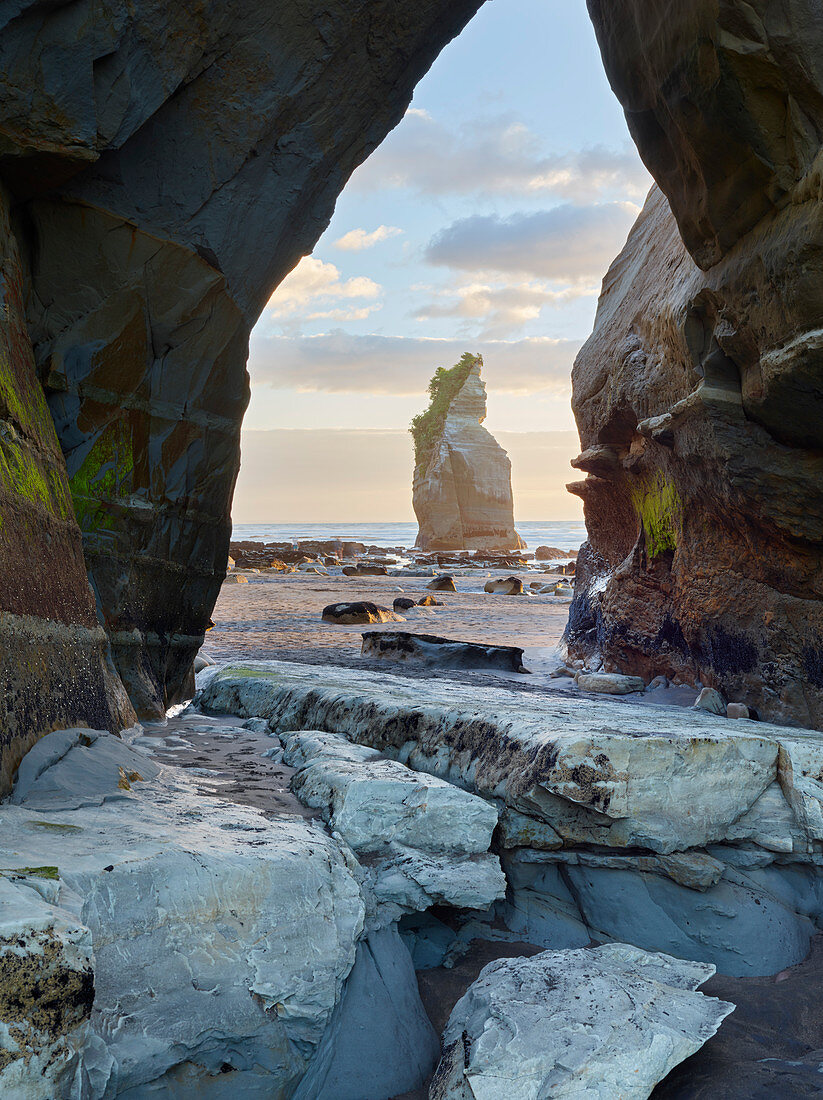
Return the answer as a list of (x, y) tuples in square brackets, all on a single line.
[(605, 1024), (669, 828)]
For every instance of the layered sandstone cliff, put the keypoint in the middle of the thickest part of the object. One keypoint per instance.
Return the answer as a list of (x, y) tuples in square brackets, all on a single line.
[(462, 493), (699, 396)]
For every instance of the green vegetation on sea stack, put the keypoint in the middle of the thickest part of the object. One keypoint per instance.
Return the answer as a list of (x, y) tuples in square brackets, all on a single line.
[(443, 388)]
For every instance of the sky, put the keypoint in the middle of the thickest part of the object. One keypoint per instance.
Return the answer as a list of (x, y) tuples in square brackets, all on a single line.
[(484, 222)]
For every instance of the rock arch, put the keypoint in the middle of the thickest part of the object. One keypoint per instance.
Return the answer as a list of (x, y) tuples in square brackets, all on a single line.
[(163, 167)]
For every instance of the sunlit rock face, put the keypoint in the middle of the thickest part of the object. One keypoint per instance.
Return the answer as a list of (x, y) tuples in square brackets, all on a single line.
[(463, 493), (699, 396), (166, 167), (699, 403)]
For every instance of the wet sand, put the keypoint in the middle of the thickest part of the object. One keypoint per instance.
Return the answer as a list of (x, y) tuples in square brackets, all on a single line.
[(278, 616)]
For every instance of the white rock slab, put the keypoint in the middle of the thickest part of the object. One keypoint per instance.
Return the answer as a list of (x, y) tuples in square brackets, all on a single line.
[(599, 771), (373, 801), (605, 1024), (422, 841)]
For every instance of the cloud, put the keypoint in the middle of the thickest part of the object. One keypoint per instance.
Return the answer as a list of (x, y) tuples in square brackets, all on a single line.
[(314, 282), (502, 307), (571, 244), (339, 362), (358, 239), (498, 156)]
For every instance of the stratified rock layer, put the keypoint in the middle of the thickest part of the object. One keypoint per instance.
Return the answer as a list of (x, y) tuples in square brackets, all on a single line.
[(700, 402), (669, 828), (463, 492), (55, 667)]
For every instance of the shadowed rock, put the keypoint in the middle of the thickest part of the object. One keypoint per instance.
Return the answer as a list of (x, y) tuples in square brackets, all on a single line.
[(169, 167), (428, 649), (704, 557)]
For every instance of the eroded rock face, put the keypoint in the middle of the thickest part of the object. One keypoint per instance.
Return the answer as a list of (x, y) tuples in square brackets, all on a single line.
[(725, 102), (698, 396), (166, 169), (462, 496), (699, 405)]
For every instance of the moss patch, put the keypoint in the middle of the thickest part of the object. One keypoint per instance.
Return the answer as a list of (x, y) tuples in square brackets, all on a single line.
[(443, 388), (104, 477), (30, 872), (659, 507)]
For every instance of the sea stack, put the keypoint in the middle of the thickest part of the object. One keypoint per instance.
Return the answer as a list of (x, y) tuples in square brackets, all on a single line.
[(462, 477)]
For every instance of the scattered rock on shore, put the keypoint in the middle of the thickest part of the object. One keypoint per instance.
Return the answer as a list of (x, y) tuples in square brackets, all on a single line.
[(436, 652), (507, 586), (360, 612), (610, 683), (710, 700), (443, 583)]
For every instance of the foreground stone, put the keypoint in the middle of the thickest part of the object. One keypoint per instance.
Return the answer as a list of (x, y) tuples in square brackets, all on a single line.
[(727, 817), (154, 940), (607, 1024), (435, 652), (362, 612)]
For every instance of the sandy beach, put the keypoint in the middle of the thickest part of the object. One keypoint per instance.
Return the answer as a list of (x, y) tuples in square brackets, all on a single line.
[(279, 615)]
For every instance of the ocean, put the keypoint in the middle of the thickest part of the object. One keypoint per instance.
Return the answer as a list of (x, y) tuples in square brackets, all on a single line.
[(564, 534)]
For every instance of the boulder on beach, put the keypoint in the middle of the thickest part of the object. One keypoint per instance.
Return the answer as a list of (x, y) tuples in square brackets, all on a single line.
[(430, 601), (364, 570), (607, 1024), (443, 583), (610, 683), (462, 477), (550, 553), (504, 586), (236, 578), (360, 612), (435, 652), (403, 603)]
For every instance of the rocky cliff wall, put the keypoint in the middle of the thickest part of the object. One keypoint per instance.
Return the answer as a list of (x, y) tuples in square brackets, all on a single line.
[(699, 418), (165, 167), (699, 396), (55, 663), (462, 494)]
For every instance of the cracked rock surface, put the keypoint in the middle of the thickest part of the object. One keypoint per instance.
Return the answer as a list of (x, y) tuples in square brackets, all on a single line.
[(607, 1024)]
